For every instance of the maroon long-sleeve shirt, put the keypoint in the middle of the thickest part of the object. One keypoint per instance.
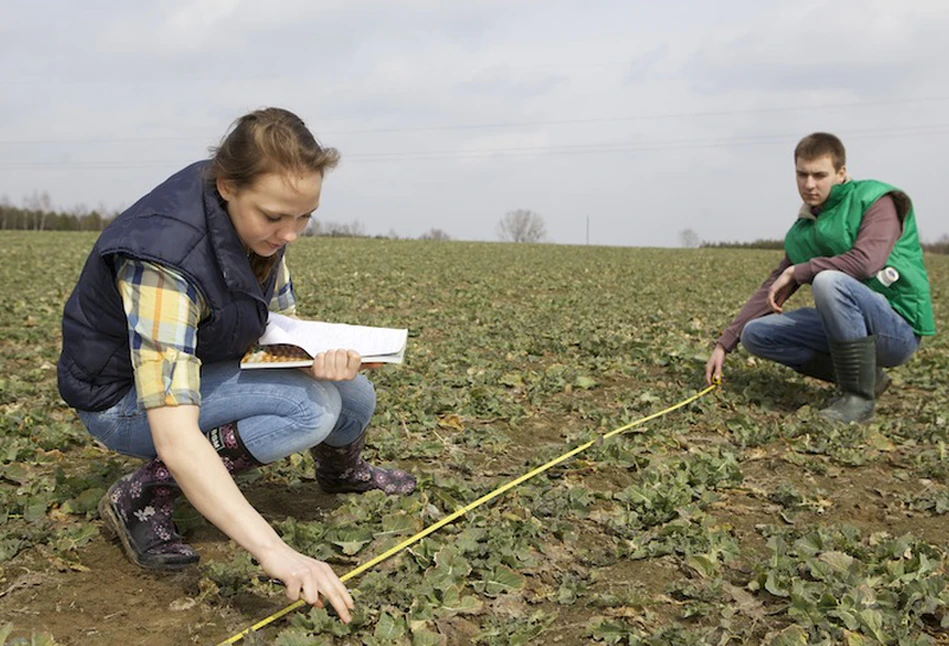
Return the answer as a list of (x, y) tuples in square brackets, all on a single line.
[(879, 230)]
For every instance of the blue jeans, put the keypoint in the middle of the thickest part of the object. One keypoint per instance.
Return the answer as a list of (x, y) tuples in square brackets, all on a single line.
[(278, 412), (846, 309)]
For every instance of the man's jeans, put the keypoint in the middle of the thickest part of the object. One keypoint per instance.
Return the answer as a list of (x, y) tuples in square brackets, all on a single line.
[(846, 309), (278, 412)]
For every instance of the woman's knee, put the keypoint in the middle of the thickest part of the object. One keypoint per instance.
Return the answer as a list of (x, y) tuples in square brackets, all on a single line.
[(358, 404), (319, 410), (340, 410), (358, 398)]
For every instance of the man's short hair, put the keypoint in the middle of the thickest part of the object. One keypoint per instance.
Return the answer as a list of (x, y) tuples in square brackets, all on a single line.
[(819, 144)]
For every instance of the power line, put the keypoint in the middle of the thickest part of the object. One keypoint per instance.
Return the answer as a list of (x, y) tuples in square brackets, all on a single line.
[(618, 146), (502, 125), (649, 117), (526, 151)]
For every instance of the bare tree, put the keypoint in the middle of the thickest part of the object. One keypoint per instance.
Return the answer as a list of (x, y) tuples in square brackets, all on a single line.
[(521, 225), (39, 206), (313, 228), (434, 234), (6, 210), (352, 229), (46, 209), (74, 216), (689, 239)]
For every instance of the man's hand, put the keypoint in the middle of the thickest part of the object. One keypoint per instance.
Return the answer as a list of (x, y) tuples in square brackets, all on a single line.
[(781, 289), (713, 369), (336, 365)]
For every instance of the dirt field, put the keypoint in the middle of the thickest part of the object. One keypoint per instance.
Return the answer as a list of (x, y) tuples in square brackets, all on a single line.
[(742, 518)]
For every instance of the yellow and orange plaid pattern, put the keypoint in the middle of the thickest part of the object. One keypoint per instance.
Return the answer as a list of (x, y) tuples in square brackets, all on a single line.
[(163, 311)]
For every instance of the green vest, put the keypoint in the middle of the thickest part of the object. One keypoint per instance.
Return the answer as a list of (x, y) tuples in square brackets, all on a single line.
[(835, 230)]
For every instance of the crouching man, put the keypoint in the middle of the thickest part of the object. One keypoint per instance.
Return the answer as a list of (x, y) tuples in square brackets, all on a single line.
[(855, 244)]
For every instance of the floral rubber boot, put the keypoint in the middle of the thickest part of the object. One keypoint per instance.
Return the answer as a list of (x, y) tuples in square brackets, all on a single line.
[(138, 507), (341, 469)]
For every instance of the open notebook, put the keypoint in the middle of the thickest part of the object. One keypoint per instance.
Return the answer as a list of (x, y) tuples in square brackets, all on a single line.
[(290, 343)]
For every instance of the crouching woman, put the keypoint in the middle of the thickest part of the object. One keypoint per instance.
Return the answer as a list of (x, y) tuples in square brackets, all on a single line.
[(174, 292)]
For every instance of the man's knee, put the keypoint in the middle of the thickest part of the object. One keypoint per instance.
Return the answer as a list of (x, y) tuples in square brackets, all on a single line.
[(753, 337), (827, 284)]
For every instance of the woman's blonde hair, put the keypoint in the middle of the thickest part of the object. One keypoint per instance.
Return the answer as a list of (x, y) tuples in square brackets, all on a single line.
[(270, 140)]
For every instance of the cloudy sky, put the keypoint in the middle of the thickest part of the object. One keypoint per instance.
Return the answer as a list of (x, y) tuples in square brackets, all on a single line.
[(646, 118)]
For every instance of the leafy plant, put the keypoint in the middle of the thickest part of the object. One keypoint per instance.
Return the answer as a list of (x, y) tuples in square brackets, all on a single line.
[(659, 535)]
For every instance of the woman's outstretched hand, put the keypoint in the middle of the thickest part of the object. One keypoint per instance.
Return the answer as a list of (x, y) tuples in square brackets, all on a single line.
[(308, 579)]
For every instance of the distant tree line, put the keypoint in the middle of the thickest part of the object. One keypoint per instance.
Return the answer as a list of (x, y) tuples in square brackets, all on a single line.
[(690, 239), (352, 229), (940, 246), (521, 225), (355, 229), (37, 214), (754, 244)]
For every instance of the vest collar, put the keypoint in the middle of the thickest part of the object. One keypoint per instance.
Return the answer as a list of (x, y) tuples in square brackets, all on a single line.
[(807, 212), (227, 246)]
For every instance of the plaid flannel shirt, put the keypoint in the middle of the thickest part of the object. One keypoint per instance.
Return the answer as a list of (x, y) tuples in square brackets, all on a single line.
[(163, 311)]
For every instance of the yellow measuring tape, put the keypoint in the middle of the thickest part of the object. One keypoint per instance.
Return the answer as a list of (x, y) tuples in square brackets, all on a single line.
[(461, 512)]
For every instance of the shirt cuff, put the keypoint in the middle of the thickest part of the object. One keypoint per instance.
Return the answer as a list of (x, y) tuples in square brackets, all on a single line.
[(728, 340), (170, 398), (172, 380)]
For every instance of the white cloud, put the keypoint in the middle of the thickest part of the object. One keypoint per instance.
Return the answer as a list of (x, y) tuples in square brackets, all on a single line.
[(649, 118)]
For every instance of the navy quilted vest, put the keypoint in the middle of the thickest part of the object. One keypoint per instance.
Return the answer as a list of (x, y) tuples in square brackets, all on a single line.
[(181, 224)]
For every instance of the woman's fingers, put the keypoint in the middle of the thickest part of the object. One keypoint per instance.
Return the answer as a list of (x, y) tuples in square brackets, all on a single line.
[(353, 362), (328, 584), (337, 365), (308, 579), (337, 594), (311, 591), (292, 587), (317, 582)]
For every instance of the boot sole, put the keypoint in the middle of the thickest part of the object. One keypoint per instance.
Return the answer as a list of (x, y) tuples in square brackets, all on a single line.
[(116, 529), (840, 420), (834, 415), (331, 489)]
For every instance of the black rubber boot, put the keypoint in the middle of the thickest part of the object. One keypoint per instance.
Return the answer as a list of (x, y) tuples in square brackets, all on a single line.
[(341, 469), (137, 508), (856, 369), (821, 366)]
